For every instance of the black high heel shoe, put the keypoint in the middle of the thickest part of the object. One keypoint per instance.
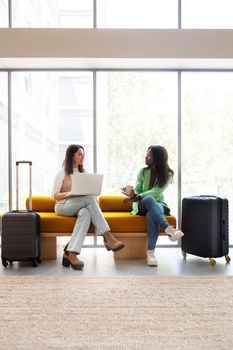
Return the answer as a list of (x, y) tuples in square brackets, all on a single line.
[(64, 250), (74, 262), (115, 248)]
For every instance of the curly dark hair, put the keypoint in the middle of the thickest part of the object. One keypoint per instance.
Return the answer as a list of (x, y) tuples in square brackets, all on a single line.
[(68, 162), (160, 170)]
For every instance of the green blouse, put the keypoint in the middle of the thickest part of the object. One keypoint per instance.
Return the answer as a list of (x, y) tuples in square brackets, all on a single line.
[(142, 185)]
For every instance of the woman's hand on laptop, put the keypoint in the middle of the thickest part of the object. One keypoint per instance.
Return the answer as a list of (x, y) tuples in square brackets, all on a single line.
[(61, 195)]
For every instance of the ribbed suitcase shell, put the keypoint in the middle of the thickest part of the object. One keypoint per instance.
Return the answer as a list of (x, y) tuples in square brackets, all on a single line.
[(20, 236), (205, 226)]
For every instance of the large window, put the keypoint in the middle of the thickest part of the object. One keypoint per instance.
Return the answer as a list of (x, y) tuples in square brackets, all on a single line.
[(52, 13), (137, 14), (110, 13), (207, 14), (135, 110), (3, 13), (210, 14), (207, 135), (50, 111), (3, 143), (76, 113)]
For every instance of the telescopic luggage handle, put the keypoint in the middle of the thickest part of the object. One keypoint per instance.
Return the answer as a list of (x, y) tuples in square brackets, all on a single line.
[(17, 182)]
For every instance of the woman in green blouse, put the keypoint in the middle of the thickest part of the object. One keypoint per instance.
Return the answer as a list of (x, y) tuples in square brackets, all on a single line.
[(147, 197)]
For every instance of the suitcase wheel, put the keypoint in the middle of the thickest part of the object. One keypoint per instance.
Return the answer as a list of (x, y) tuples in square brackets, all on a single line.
[(34, 262), (212, 261), (184, 254), (38, 260), (4, 263), (228, 259)]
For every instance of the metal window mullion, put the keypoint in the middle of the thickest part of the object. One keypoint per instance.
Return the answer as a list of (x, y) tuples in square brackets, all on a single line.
[(94, 124), (10, 13), (179, 151), (179, 14), (94, 14), (9, 140), (94, 137)]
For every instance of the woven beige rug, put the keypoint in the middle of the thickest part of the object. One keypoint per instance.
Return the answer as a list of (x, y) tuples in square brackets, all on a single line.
[(116, 313)]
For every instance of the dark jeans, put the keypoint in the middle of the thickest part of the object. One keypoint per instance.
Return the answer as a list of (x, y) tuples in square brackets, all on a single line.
[(155, 218)]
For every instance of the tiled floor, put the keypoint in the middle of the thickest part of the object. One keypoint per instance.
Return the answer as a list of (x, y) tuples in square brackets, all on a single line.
[(99, 262)]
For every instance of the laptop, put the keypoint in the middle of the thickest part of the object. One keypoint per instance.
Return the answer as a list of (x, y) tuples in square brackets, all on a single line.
[(86, 184)]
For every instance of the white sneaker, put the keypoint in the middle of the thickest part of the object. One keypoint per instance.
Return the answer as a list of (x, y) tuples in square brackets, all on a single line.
[(173, 233), (151, 258)]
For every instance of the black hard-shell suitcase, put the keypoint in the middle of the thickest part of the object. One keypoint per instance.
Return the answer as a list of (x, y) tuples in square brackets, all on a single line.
[(205, 227), (21, 231)]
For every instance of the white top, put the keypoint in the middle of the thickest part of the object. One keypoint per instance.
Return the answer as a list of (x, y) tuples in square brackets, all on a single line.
[(57, 185), (58, 182)]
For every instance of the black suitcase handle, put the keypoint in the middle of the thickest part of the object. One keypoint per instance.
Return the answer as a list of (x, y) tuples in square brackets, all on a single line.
[(18, 162), (23, 162)]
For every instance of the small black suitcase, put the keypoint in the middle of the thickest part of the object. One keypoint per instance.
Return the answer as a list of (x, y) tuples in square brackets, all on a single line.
[(21, 231), (205, 227)]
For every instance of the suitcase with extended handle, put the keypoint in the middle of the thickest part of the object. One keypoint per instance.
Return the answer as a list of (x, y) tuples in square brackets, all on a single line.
[(21, 230), (205, 227)]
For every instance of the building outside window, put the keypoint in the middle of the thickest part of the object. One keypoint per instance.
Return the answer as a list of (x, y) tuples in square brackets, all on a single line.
[(34, 129), (49, 113), (75, 96)]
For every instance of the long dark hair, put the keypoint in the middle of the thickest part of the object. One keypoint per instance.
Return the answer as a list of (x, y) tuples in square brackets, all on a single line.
[(160, 170), (68, 162)]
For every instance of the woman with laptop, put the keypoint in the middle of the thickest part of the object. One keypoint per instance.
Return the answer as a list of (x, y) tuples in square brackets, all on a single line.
[(85, 207), (147, 197)]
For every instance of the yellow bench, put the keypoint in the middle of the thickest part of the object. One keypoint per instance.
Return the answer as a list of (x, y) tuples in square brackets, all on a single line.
[(131, 229)]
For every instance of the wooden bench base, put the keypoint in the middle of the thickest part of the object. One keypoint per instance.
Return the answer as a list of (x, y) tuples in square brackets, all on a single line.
[(48, 248), (135, 245)]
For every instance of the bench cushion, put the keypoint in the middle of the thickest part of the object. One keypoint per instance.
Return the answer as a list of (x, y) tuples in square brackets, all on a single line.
[(114, 203), (50, 222), (106, 203), (42, 203), (115, 211), (126, 222), (118, 222)]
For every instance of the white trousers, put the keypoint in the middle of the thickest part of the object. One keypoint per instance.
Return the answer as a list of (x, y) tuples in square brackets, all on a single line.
[(87, 209)]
